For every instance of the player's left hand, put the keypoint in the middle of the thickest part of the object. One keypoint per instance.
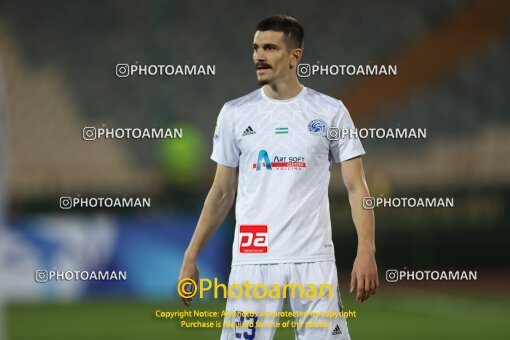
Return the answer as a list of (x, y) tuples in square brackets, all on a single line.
[(364, 278)]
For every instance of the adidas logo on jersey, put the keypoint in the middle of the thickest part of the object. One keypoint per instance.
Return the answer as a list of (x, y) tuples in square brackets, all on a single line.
[(249, 131), (336, 331)]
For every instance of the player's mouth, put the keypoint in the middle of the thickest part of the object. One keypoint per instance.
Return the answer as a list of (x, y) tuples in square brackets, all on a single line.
[(262, 67)]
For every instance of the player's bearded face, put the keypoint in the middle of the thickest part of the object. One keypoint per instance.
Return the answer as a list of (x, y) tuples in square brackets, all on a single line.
[(270, 56)]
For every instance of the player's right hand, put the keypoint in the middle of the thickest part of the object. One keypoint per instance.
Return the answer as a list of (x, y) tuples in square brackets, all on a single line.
[(189, 270)]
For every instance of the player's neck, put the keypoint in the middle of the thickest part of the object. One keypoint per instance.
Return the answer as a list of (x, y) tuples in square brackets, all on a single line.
[(283, 90)]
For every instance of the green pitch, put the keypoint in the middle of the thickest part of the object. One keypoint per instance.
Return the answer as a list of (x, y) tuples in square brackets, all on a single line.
[(406, 315)]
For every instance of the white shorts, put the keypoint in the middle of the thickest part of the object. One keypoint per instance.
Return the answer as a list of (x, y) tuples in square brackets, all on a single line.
[(247, 323)]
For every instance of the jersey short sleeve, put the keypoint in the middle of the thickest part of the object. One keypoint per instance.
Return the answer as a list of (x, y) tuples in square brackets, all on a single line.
[(348, 145), (225, 148)]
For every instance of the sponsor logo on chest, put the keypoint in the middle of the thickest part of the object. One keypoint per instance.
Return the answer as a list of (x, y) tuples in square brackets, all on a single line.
[(279, 162)]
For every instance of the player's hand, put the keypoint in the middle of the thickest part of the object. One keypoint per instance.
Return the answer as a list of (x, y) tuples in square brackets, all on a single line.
[(189, 270), (364, 278)]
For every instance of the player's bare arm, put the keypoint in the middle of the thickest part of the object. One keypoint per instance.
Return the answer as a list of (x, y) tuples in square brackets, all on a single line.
[(364, 279), (216, 206)]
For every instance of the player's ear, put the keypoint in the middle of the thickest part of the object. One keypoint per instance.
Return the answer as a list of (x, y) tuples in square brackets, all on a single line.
[(296, 54)]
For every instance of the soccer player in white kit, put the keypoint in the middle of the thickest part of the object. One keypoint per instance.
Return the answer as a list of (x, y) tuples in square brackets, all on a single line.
[(272, 146)]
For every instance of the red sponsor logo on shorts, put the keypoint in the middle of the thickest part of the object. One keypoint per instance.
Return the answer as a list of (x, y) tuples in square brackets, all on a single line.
[(253, 238)]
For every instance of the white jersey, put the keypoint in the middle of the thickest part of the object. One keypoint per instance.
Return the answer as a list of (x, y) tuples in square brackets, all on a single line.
[(284, 157)]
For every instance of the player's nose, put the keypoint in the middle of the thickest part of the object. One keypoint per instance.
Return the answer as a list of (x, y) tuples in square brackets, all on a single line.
[(259, 55)]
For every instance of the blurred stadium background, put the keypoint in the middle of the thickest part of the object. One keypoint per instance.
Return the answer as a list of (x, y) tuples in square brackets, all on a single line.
[(57, 75)]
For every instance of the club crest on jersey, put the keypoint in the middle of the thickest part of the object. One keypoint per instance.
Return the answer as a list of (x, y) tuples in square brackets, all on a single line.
[(279, 162), (253, 239), (317, 127)]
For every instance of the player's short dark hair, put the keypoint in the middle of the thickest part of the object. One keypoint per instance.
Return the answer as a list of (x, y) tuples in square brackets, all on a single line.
[(293, 31)]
